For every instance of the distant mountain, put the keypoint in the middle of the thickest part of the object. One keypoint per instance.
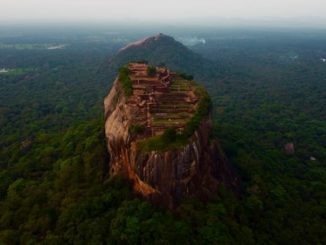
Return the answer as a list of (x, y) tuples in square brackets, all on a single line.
[(163, 49)]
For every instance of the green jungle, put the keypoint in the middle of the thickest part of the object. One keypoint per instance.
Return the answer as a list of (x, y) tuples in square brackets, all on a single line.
[(267, 90)]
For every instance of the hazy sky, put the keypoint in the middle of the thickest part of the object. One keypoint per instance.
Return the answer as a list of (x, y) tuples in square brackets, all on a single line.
[(143, 10)]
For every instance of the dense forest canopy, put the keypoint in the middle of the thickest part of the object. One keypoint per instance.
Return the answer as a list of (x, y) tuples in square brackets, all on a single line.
[(268, 90)]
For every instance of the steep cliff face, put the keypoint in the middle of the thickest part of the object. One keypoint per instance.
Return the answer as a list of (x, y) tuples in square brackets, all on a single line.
[(164, 177)]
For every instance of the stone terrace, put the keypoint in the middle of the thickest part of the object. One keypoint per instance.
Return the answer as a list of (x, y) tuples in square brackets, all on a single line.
[(160, 101)]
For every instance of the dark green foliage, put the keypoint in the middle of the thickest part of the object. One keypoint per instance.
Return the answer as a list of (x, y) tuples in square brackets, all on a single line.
[(203, 110), (75, 202), (151, 71), (54, 183), (54, 187), (125, 81), (186, 76), (137, 129), (169, 140), (169, 134)]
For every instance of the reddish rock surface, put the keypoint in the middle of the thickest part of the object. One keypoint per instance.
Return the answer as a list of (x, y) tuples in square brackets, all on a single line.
[(195, 170)]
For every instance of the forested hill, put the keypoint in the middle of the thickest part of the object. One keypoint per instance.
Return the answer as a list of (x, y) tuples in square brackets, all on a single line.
[(164, 50), (54, 186)]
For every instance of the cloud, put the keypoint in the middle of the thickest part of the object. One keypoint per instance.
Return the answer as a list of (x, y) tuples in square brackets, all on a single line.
[(191, 41)]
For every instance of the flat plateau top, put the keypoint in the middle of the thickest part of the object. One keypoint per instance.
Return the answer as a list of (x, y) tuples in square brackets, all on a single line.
[(160, 99)]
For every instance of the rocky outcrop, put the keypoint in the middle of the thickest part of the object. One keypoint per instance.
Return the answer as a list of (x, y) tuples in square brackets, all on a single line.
[(194, 170)]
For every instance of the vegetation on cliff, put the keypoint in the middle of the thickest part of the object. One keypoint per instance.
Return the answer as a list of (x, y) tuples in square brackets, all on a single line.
[(137, 129), (125, 81), (202, 112), (169, 140), (151, 71)]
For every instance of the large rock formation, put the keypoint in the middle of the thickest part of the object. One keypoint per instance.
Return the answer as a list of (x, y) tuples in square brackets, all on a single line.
[(163, 175)]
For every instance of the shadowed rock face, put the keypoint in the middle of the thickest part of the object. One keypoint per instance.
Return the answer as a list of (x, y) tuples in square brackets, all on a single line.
[(194, 170)]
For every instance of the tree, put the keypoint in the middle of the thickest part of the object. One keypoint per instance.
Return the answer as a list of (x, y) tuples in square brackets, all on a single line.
[(151, 71)]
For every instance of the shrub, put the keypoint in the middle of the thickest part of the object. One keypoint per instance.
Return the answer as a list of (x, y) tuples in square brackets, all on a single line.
[(169, 135), (186, 76), (125, 81), (202, 111), (167, 141), (151, 71), (137, 129)]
